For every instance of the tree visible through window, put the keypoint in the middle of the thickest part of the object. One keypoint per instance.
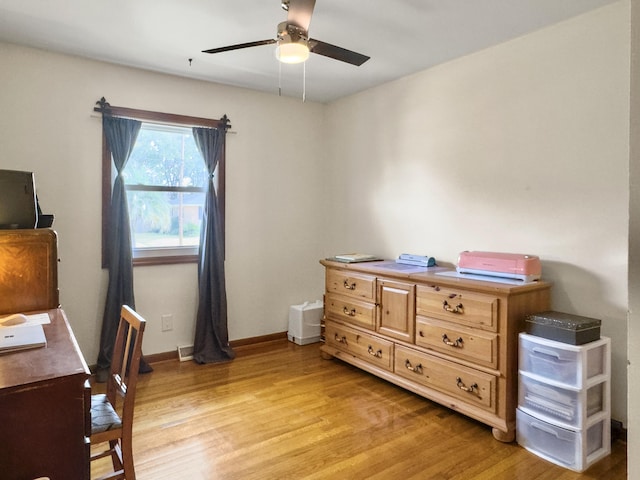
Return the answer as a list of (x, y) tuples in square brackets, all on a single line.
[(165, 180)]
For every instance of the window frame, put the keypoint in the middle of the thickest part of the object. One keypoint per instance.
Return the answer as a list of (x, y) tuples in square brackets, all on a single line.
[(107, 172)]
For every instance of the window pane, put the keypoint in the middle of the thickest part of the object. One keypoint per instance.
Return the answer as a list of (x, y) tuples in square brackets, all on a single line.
[(165, 156), (165, 219)]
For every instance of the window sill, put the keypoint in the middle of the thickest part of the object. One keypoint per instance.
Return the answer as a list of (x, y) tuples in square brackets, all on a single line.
[(164, 260)]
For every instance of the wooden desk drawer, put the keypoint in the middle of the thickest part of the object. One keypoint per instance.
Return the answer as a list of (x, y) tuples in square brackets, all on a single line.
[(469, 385), (469, 344), (368, 347), (356, 285), (463, 307), (350, 310)]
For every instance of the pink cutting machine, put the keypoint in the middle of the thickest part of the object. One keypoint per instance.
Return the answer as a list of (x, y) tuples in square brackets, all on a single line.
[(506, 265)]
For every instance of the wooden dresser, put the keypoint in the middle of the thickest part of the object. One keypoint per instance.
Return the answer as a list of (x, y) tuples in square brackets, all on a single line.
[(451, 340), (44, 412)]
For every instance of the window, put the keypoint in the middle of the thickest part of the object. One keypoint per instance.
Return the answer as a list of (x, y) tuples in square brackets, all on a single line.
[(165, 180)]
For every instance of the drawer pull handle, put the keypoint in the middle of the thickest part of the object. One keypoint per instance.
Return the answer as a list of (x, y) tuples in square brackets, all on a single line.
[(456, 344), (548, 353), (351, 313), (342, 339), (544, 429), (459, 308), (416, 369), (349, 286), (464, 388), (377, 354)]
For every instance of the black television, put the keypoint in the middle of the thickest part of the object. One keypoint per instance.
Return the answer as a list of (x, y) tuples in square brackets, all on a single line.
[(18, 204)]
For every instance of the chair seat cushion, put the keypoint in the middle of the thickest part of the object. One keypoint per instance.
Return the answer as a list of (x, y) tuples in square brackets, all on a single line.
[(103, 416)]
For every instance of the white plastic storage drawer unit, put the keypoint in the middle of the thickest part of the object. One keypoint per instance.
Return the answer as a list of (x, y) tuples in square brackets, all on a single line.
[(572, 365), (564, 397), (570, 406), (573, 449)]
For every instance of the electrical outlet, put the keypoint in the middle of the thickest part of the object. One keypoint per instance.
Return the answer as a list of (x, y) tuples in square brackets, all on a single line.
[(167, 322)]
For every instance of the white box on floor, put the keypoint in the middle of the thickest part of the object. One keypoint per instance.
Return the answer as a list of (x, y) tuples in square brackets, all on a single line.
[(304, 322)]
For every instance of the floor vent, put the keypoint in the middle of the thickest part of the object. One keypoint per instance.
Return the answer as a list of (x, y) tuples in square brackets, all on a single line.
[(185, 352)]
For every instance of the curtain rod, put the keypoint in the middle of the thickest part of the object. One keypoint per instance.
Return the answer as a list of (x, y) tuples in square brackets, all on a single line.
[(160, 117), (158, 122)]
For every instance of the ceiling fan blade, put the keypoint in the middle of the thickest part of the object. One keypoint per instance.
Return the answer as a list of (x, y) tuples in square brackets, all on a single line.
[(300, 12), (239, 46), (337, 53)]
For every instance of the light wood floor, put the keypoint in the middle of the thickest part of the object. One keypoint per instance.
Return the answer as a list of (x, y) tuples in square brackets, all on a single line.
[(284, 413)]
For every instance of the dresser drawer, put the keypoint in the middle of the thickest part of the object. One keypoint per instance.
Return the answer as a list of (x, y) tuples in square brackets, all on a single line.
[(368, 347), (470, 344), (459, 306), (356, 285), (351, 310), (466, 384)]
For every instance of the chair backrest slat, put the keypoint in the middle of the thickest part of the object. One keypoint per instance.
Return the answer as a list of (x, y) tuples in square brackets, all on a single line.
[(127, 351), (125, 362)]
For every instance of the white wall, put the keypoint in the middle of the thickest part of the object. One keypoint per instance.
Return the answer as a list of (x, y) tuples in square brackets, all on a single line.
[(633, 396), (274, 199), (523, 147)]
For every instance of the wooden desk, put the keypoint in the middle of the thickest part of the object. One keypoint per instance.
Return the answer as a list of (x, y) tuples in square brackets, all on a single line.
[(44, 417)]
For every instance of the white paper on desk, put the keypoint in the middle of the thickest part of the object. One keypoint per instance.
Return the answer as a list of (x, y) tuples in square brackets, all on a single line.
[(38, 319), (35, 319)]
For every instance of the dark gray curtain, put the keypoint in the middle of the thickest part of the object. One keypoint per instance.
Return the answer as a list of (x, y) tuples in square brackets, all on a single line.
[(211, 342), (121, 134)]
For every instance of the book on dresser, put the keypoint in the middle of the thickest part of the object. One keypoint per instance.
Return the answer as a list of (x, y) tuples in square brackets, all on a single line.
[(355, 257)]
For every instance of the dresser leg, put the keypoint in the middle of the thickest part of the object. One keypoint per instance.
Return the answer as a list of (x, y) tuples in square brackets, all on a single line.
[(506, 437), (325, 356)]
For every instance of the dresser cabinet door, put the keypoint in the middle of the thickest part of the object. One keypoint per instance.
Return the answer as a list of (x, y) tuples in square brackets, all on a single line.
[(396, 312)]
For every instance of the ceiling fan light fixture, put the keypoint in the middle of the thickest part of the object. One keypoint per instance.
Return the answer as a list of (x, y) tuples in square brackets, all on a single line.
[(292, 52)]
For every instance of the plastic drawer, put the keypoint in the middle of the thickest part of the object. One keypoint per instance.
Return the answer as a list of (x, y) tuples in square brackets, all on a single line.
[(572, 365), (569, 406), (572, 449)]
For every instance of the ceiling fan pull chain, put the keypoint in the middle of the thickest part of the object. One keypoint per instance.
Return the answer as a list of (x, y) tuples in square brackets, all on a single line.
[(279, 79), (304, 82)]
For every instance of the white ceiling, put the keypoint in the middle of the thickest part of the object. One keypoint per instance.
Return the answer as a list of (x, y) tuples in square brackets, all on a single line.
[(400, 36)]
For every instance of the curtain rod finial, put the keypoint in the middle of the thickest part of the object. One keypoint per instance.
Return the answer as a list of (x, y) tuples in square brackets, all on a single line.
[(104, 105)]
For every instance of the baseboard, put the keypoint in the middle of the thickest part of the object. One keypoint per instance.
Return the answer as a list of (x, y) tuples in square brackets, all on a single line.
[(247, 346), (241, 347), (161, 357)]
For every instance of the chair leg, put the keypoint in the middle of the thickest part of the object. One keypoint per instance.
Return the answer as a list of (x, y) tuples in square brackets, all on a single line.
[(127, 459), (116, 455)]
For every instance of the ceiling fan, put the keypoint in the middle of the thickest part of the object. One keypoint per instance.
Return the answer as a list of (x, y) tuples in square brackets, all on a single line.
[(294, 44)]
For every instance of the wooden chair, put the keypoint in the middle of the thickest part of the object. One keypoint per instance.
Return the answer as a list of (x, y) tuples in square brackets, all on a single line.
[(112, 413)]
